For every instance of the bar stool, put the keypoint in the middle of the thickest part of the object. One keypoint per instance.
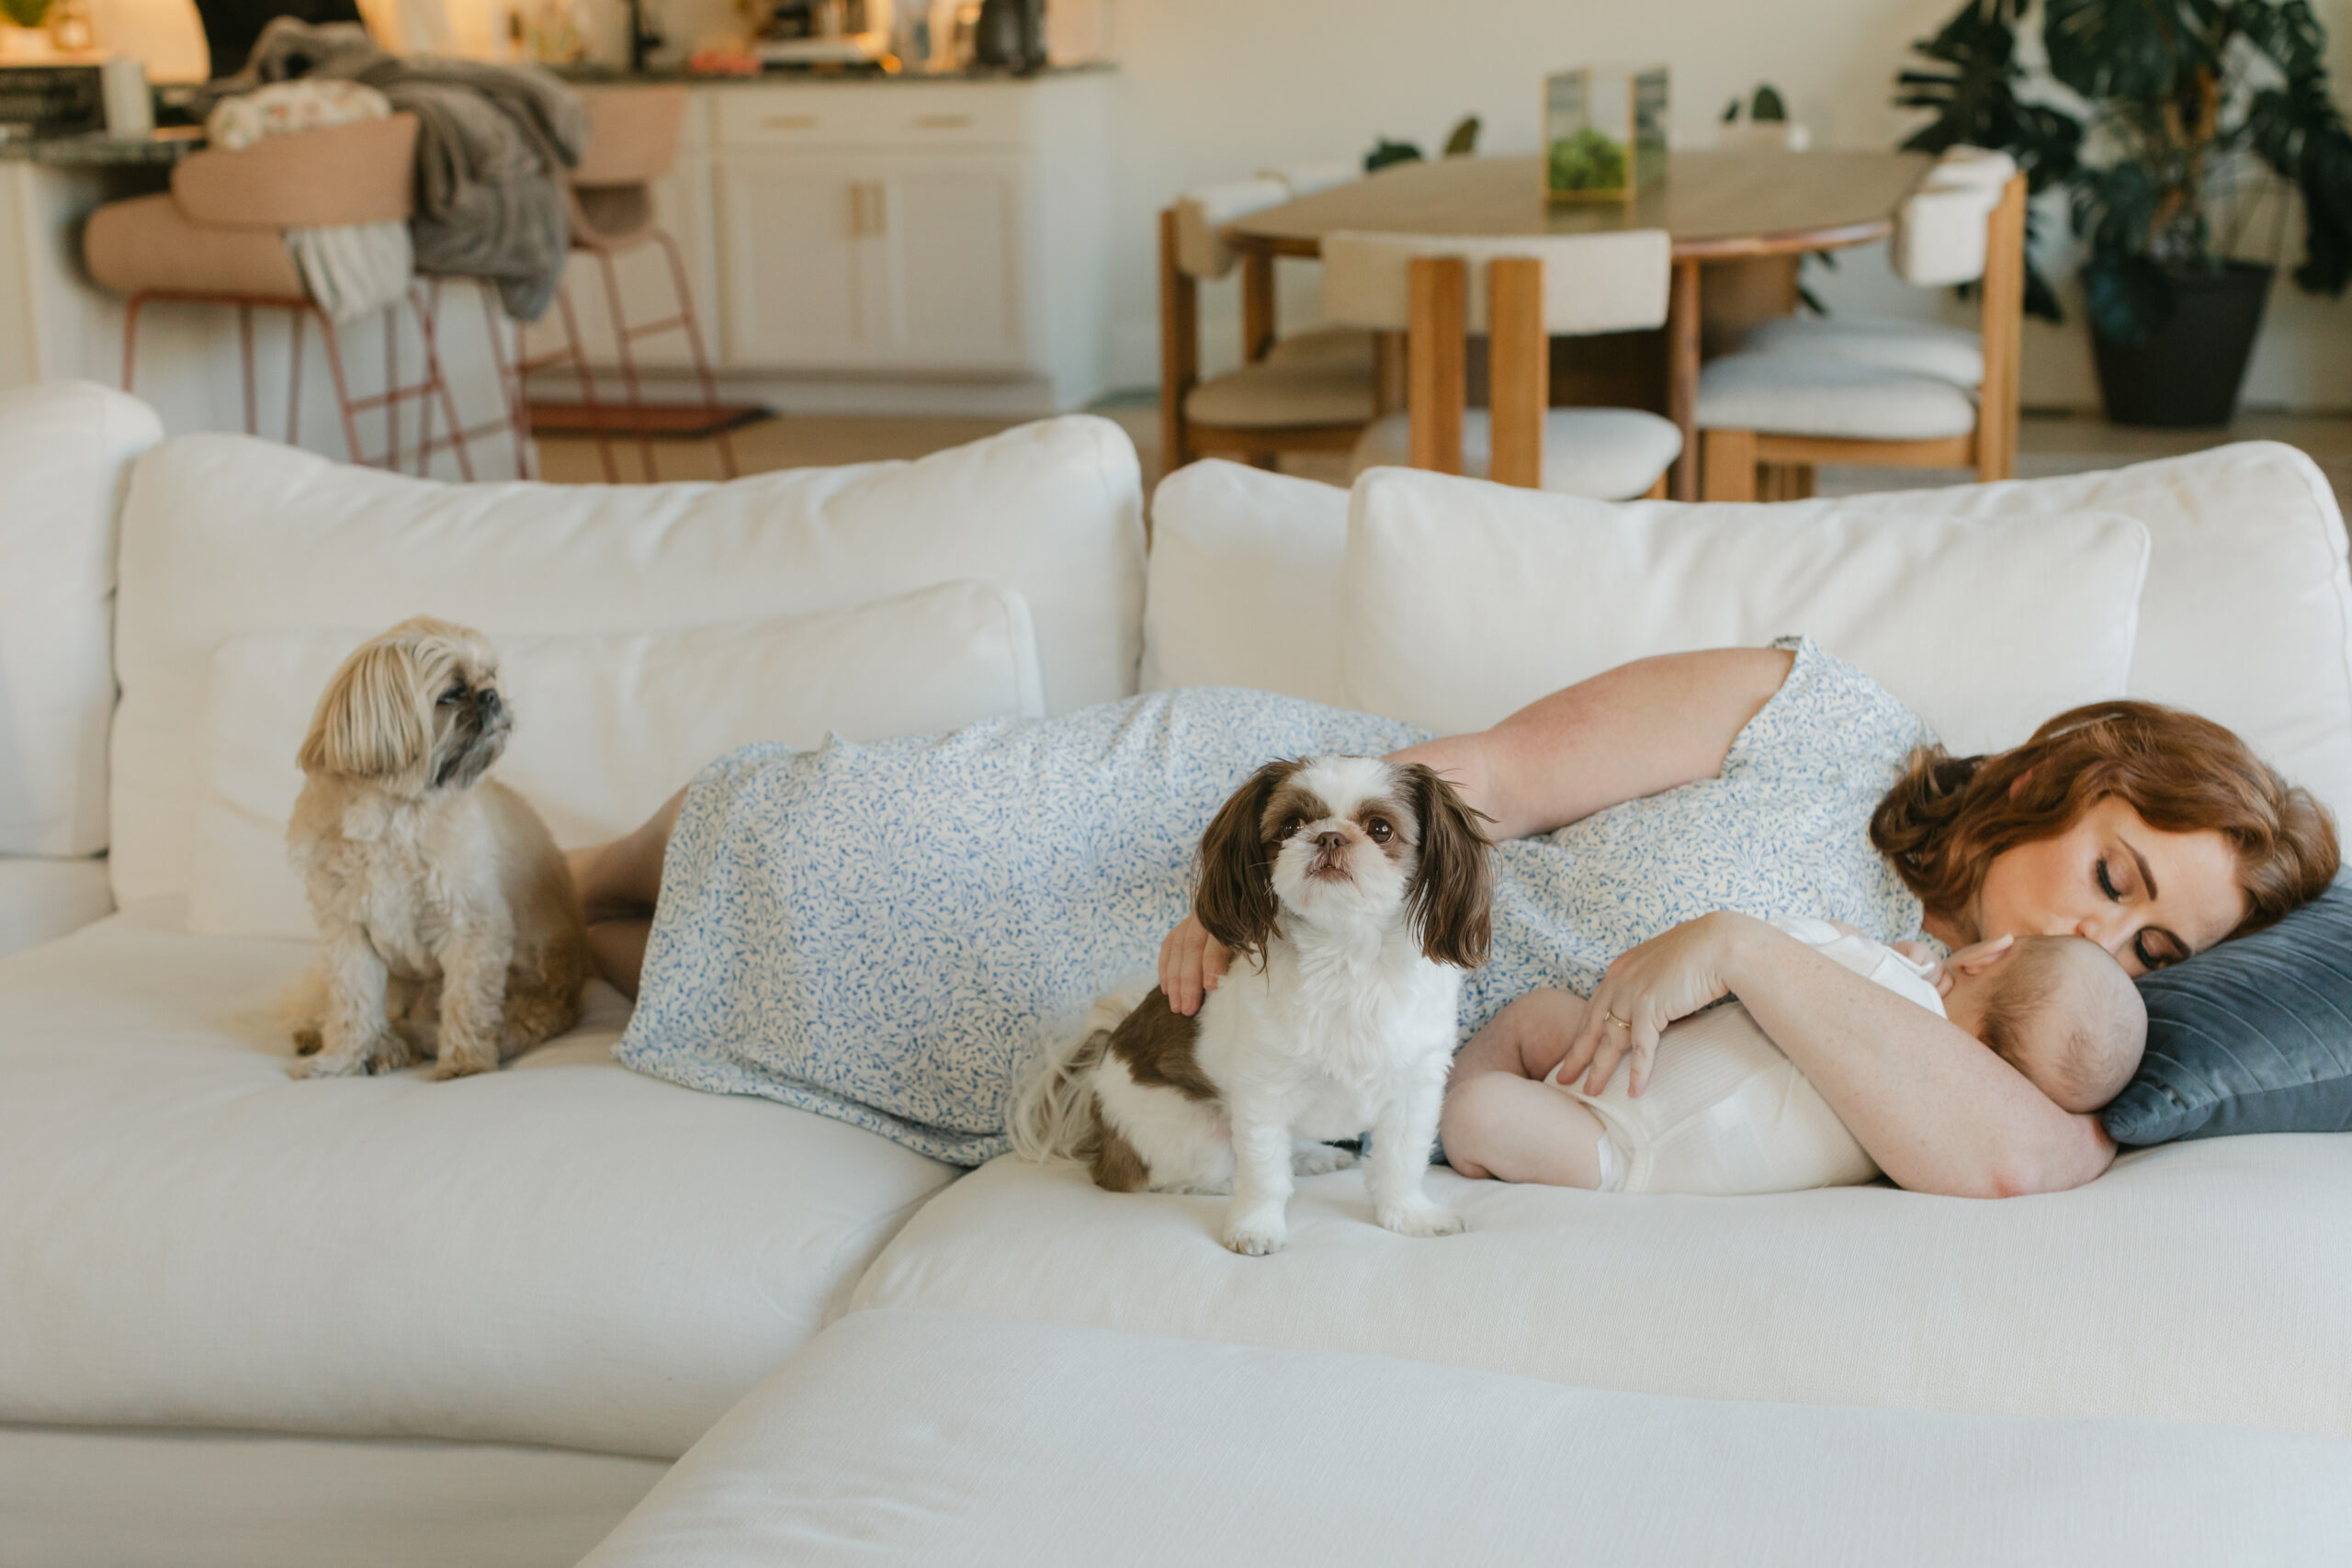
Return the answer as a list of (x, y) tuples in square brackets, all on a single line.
[(218, 237), (633, 140), (1521, 291)]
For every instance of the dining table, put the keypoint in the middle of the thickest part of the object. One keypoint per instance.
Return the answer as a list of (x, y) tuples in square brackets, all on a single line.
[(1727, 213)]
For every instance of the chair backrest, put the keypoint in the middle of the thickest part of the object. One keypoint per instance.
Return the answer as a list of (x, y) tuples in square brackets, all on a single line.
[(1200, 213), (1520, 290), (361, 173), (1305, 179), (1940, 232), (633, 134), (1592, 283)]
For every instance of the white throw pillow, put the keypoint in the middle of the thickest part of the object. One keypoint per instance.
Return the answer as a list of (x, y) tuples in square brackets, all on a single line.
[(63, 447), (222, 536), (1244, 584), (606, 727), (1465, 601)]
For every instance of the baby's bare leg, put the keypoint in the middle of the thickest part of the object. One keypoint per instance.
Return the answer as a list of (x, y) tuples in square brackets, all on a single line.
[(1516, 1129), (1501, 1120)]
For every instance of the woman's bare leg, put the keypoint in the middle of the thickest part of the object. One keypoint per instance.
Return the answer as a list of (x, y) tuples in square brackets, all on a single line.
[(619, 884)]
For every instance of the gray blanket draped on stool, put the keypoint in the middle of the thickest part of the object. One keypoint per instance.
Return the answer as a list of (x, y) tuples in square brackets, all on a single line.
[(491, 144)]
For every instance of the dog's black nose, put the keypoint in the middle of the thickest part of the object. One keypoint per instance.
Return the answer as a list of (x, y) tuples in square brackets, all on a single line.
[(1335, 839), (488, 703)]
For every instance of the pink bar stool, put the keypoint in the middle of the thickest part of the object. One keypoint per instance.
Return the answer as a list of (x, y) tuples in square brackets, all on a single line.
[(217, 237), (633, 141)]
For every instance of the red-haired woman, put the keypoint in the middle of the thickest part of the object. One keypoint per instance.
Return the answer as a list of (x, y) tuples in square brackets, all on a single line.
[(2152, 832)]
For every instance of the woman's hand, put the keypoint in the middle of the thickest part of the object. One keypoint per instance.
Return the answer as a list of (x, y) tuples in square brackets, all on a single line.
[(1191, 964), (1671, 976)]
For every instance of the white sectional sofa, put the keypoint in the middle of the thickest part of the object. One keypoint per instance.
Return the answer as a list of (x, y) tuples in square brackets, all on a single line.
[(251, 1321)]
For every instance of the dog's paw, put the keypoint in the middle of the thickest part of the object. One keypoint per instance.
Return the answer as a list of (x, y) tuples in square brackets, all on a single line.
[(342, 1065), (452, 1066), (1422, 1219), (1255, 1235), (1318, 1159)]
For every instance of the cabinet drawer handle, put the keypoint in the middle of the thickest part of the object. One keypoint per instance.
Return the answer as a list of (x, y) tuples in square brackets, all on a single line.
[(943, 123), (789, 122)]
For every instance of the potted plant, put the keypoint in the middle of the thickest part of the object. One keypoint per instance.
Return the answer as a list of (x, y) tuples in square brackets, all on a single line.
[(2174, 126)]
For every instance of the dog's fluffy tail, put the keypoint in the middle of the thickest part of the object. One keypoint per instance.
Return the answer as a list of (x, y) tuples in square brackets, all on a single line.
[(1053, 1113)]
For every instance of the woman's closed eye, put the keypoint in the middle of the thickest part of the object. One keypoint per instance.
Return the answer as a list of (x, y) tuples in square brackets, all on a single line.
[(2155, 948)]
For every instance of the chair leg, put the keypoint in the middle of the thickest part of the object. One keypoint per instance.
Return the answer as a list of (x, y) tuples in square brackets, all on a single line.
[(510, 378), (628, 362), (391, 385), (437, 384), (1657, 491), (294, 320), (131, 337), (245, 364), (687, 319), (587, 385), (341, 386), (1729, 465)]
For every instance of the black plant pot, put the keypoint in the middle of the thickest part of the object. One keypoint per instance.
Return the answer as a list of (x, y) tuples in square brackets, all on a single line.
[(2188, 374)]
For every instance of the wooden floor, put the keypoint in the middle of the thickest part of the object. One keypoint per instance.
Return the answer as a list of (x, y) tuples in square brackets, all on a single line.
[(2048, 444)]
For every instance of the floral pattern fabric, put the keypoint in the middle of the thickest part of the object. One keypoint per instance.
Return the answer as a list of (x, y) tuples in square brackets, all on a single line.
[(887, 933)]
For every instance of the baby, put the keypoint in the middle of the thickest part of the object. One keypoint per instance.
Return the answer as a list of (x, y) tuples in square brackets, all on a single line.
[(1724, 1112)]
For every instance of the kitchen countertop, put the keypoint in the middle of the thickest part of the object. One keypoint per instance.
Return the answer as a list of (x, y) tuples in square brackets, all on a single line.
[(159, 148), (809, 75)]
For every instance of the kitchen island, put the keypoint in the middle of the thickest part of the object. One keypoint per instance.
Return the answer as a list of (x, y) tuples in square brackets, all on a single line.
[(56, 324)]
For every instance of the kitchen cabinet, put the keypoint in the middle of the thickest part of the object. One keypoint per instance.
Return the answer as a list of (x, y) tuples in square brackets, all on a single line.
[(888, 244)]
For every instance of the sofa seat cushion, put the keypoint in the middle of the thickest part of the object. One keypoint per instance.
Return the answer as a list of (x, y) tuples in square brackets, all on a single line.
[(2188, 1284), (926, 1437), (564, 1252), (1789, 394), (1601, 454)]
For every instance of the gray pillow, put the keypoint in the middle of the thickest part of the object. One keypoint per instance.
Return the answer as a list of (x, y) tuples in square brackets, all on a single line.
[(2252, 1036)]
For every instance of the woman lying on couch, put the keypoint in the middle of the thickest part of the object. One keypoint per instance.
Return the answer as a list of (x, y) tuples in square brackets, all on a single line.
[(1776, 780), (2152, 832)]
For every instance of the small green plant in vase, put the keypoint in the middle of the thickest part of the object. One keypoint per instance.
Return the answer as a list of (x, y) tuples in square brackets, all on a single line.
[(2181, 130)]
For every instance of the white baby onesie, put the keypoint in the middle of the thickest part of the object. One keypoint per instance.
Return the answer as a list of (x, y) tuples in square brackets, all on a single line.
[(1725, 1112)]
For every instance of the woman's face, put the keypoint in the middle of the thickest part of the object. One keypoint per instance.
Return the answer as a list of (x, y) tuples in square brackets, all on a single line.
[(2150, 898)]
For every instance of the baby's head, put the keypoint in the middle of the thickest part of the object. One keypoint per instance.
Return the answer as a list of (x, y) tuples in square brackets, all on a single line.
[(2061, 1011)]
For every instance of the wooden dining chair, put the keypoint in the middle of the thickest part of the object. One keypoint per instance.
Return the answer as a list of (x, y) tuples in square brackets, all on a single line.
[(1519, 291), (1886, 394), (1314, 391)]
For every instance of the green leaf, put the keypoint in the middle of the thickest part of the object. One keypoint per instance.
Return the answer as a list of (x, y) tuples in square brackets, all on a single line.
[(25, 13), (1767, 104), (2129, 297), (2122, 49), (1465, 138)]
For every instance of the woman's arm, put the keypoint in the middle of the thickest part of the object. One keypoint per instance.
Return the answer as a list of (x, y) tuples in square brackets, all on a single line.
[(1634, 731), (1939, 1111)]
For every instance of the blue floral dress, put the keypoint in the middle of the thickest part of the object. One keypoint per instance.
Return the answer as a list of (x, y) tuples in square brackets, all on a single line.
[(886, 934)]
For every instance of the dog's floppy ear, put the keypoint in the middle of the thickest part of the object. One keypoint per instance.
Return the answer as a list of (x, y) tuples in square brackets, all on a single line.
[(367, 724), (1452, 894), (1235, 897)]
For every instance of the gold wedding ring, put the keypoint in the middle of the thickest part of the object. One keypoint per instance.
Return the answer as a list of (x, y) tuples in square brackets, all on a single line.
[(1620, 1022)]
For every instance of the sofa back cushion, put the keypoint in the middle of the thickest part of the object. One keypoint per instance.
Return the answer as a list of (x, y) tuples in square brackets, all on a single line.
[(1464, 601), (63, 450), (224, 537), (603, 724), (2246, 615), (1244, 586)]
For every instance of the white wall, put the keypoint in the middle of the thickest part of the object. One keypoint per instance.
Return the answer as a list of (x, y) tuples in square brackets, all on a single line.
[(1212, 89)]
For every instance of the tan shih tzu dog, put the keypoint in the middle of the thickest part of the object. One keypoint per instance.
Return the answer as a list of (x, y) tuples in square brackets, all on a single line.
[(451, 925)]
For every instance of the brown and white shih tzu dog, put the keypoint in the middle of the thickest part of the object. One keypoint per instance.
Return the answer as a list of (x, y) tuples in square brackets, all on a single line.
[(451, 926), (1353, 893)]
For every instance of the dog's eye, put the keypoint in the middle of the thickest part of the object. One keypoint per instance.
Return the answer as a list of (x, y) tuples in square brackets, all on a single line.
[(1381, 831), (456, 693), (1291, 828)]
